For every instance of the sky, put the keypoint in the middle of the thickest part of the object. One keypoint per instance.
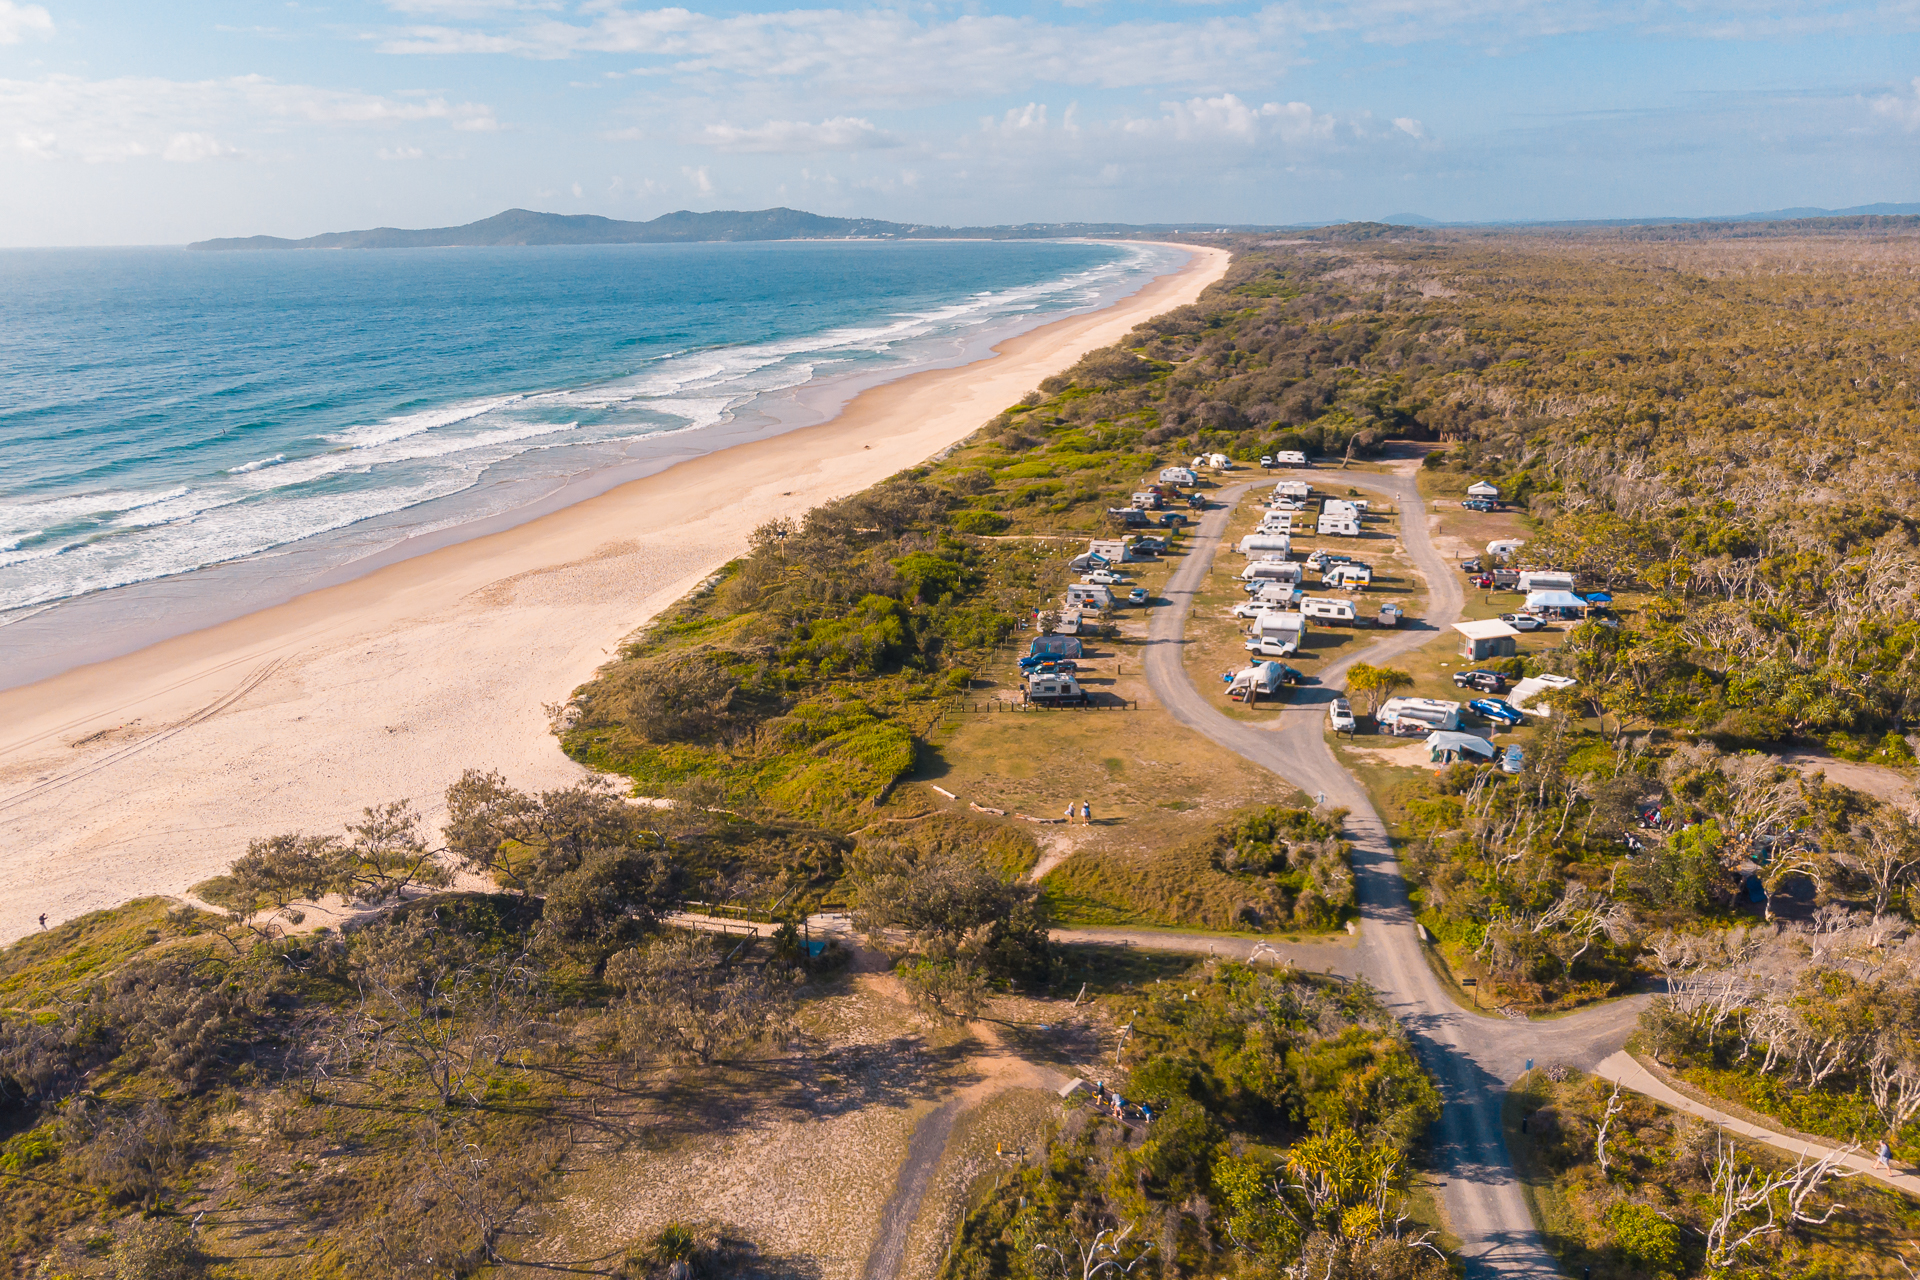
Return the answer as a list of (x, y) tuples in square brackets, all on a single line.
[(130, 122)]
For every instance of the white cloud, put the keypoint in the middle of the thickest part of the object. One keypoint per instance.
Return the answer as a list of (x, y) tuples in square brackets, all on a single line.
[(1227, 117), (191, 148), (1411, 127), (401, 153), (66, 117), (841, 133), (468, 8), (1031, 118), (18, 21), (701, 182), (1903, 111)]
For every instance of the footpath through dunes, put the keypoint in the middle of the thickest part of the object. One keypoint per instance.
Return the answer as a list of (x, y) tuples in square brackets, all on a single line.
[(149, 773), (1473, 1057)]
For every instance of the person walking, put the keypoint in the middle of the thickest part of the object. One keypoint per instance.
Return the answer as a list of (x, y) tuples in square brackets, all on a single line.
[(1884, 1158), (1069, 813), (1086, 813), (43, 919)]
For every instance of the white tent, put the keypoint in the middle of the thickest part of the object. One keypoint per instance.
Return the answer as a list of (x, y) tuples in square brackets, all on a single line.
[(1554, 600), (1443, 747)]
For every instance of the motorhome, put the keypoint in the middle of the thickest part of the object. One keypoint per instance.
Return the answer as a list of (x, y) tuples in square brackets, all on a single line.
[(1276, 522), (1418, 715), (1347, 575), (1256, 544), (1289, 458), (1054, 689), (1089, 595), (1338, 525), (1328, 609)]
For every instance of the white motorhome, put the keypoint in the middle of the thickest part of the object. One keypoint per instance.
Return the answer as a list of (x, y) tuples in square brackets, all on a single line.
[(1290, 458), (1276, 522), (1089, 595), (1332, 609), (1347, 575), (1338, 525), (1418, 715), (1297, 489), (1178, 475), (1255, 544)]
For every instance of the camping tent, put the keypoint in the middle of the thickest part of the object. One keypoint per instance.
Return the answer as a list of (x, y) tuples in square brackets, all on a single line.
[(1055, 647), (1444, 747), (1556, 600)]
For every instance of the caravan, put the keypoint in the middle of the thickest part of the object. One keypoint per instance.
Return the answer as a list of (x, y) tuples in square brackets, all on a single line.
[(1260, 571), (1261, 678), (1418, 715), (1328, 609), (1299, 490), (1277, 634), (1347, 575), (1089, 595), (1264, 544), (1177, 475), (1054, 689), (1289, 458), (1337, 524)]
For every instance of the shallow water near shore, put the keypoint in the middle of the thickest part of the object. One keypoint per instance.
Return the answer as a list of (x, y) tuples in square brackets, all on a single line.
[(187, 437)]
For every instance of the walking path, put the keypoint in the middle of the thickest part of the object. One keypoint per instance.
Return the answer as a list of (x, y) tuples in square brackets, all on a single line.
[(1624, 1069)]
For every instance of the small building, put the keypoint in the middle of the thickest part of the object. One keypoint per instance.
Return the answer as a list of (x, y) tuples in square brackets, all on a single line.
[(1491, 638), (1481, 489), (1056, 647), (1445, 747)]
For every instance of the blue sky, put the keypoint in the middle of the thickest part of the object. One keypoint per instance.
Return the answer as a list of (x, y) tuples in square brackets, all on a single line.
[(136, 123)]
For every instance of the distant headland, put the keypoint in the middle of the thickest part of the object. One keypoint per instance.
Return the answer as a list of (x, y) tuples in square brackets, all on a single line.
[(524, 226)]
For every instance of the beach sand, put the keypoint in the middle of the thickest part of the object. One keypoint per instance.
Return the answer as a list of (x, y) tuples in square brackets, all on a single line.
[(151, 772)]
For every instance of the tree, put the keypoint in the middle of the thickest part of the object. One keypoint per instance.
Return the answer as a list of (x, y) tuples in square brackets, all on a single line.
[(684, 1001), (1885, 850), (1377, 683)]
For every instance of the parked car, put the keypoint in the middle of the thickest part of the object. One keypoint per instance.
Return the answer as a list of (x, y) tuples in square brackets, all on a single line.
[(1172, 520), (1266, 460), (1522, 621), (1340, 716), (1470, 566), (1478, 504), (1481, 579), (1290, 676), (1485, 681), (1497, 710), (1197, 502), (1046, 662), (1513, 759), (1254, 608), (1105, 577), (1137, 596), (1150, 546)]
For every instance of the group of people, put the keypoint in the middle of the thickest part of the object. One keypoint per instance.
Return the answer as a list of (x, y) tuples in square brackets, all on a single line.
[(1118, 1107), (1083, 811)]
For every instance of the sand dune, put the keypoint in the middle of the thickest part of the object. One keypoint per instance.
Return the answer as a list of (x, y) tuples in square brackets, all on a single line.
[(150, 772)]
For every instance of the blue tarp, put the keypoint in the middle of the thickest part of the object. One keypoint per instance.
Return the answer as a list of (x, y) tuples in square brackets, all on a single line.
[(1599, 597)]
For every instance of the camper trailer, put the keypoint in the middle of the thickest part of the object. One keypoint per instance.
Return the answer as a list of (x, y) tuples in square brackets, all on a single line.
[(1390, 615), (1328, 609), (1220, 462), (1258, 679), (1339, 525), (1054, 689), (1289, 458), (1270, 571), (1177, 475), (1112, 550), (1298, 490), (1147, 500), (1503, 548), (1283, 578), (1128, 516), (1544, 580), (1258, 544), (1089, 595), (1347, 575), (1418, 715)]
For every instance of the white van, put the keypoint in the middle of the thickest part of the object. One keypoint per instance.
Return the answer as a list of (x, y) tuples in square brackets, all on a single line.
[(1328, 609), (1089, 595)]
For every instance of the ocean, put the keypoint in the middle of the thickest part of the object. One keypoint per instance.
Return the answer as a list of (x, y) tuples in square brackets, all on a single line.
[(187, 437)]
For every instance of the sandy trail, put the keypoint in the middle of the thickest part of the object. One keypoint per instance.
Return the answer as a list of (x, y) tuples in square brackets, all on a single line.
[(150, 772)]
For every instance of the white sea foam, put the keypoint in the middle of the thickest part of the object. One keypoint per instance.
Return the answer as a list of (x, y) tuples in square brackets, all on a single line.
[(262, 464)]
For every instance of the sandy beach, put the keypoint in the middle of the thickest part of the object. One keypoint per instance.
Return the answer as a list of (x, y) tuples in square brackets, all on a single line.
[(148, 773)]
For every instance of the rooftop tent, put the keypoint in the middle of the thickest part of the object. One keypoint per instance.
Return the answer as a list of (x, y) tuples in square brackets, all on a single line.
[(1481, 489), (1554, 600), (1055, 646), (1443, 746)]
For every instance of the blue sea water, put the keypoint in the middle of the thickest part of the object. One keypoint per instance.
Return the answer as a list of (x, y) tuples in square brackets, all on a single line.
[(164, 411)]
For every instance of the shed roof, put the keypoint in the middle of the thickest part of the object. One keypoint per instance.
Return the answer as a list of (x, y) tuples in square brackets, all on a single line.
[(1488, 629)]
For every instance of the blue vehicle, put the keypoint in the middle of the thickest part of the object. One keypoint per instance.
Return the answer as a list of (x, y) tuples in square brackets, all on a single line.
[(1048, 663), (1513, 761), (1497, 710)]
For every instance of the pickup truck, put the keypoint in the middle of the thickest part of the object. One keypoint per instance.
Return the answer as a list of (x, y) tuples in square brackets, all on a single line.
[(1340, 716)]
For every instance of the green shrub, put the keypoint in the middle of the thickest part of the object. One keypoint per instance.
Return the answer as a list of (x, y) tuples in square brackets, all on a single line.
[(1643, 1235), (981, 523)]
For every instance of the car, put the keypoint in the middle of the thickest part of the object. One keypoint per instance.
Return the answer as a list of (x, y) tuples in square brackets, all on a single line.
[(1172, 520), (1481, 579), (1340, 716), (1196, 502), (1470, 566), (1103, 577), (1137, 596), (1266, 460), (1477, 504), (1512, 760), (1522, 621), (1289, 676), (1047, 662), (1254, 608), (1150, 546), (1496, 710), (1485, 681)]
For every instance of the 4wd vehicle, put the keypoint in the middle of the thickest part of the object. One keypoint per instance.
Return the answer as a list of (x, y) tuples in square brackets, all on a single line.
[(1173, 519), (1470, 566), (1496, 710), (1522, 621), (1150, 546), (1137, 596), (1340, 716), (1266, 460), (1291, 676), (1485, 681), (1047, 662), (1321, 560), (1478, 504), (1105, 577)]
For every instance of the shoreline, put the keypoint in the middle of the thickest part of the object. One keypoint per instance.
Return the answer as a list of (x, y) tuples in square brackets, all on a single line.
[(149, 772)]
